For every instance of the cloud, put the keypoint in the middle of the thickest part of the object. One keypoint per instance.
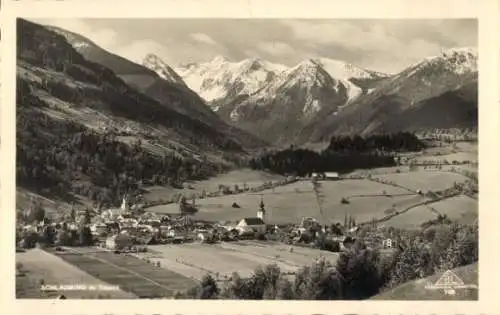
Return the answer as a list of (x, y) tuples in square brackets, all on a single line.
[(137, 50), (276, 48), (203, 38), (382, 45), (106, 38)]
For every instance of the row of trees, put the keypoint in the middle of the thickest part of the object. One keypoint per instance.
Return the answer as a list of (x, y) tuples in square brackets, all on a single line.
[(303, 162), (401, 141), (343, 154)]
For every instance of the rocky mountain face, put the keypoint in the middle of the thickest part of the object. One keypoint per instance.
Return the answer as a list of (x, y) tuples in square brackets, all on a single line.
[(220, 81), (274, 101), (438, 92), (322, 97)]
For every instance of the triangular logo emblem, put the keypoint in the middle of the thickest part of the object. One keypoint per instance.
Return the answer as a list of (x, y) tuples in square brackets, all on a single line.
[(449, 279)]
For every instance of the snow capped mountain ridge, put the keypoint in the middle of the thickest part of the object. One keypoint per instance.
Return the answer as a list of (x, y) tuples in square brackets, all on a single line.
[(309, 72), (345, 71), (460, 60), (277, 102), (220, 78)]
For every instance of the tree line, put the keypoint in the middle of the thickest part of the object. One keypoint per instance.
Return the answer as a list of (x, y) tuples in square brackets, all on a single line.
[(343, 154)]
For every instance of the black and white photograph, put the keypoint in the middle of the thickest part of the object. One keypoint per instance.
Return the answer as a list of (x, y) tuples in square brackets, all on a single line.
[(247, 159)]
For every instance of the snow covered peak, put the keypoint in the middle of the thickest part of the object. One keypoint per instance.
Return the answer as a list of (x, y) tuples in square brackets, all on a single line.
[(219, 60), (309, 71), (155, 63), (308, 64), (466, 51), (220, 78), (252, 64), (461, 60), (345, 71), (306, 69)]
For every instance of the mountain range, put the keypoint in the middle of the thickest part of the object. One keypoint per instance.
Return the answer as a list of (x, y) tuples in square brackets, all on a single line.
[(255, 101), (320, 97)]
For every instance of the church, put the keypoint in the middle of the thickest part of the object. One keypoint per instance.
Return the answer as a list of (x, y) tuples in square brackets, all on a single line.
[(255, 223)]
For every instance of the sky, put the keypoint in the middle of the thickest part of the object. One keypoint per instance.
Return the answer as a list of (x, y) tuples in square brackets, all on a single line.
[(382, 45)]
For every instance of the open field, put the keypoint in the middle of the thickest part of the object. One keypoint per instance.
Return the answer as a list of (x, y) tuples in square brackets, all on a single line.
[(424, 180), (457, 156), (412, 219), (459, 151), (129, 273), (195, 260), (25, 197), (461, 208), (415, 290), (366, 199), (288, 204), (38, 264), (238, 177)]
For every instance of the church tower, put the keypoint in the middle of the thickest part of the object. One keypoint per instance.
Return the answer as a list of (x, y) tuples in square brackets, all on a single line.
[(124, 206), (262, 211)]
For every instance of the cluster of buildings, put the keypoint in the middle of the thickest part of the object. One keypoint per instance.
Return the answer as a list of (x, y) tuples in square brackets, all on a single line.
[(121, 229)]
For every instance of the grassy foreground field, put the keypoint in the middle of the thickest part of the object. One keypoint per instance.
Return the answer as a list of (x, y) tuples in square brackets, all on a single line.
[(415, 290), (129, 273), (38, 265), (221, 260)]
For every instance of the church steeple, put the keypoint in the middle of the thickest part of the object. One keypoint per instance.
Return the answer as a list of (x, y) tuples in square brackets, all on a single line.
[(262, 211)]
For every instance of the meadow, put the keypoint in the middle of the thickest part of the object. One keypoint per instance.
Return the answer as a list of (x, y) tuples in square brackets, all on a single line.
[(131, 274), (39, 266), (292, 202), (460, 208), (239, 177), (423, 180), (196, 260)]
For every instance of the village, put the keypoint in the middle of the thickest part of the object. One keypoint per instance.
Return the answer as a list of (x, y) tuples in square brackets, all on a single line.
[(131, 229)]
